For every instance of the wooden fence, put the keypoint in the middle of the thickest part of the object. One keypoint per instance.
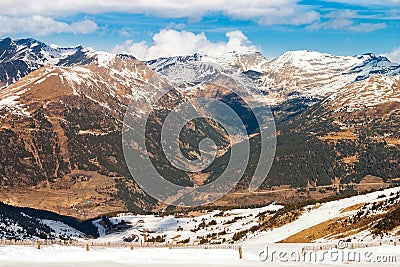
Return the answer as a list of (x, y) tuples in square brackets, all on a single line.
[(98, 244)]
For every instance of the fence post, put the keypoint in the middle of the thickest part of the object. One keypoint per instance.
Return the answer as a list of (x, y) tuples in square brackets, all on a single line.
[(38, 244), (240, 252), (131, 246), (87, 247)]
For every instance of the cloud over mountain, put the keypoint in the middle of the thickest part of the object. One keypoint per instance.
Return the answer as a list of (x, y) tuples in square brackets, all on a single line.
[(394, 56), (169, 42)]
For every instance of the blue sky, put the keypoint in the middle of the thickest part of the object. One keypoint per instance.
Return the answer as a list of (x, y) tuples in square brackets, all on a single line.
[(155, 28)]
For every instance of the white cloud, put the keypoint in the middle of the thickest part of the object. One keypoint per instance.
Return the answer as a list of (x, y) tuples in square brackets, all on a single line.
[(39, 25), (290, 17), (175, 8), (267, 12), (170, 42), (84, 26), (367, 2), (367, 27), (394, 56), (124, 32), (348, 25), (344, 20), (175, 26)]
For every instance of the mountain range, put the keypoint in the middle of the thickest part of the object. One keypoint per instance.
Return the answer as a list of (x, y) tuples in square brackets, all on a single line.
[(62, 111)]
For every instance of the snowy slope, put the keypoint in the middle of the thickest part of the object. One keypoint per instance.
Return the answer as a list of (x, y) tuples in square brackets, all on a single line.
[(372, 64), (231, 61), (318, 74), (16, 225), (313, 217), (110, 80), (186, 70), (11, 229), (153, 226), (379, 206), (62, 229), (20, 57), (224, 223), (293, 74), (373, 91), (197, 72)]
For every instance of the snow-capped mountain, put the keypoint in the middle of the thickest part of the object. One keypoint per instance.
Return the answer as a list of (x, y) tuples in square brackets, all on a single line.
[(185, 70), (317, 74), (20, 57), (63, 113), (368, 93), (293, 74), (110, 80), (195, 74), (372, 64), (230, 61)]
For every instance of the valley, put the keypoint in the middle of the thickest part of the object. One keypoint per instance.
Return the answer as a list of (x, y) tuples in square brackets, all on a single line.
[(62, 127)]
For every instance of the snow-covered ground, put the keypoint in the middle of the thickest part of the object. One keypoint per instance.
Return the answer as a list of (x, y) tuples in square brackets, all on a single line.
[(246, 218), (223, 225), (262, 246), (78, 256), (178, 228), (316, 216), (61, 229)]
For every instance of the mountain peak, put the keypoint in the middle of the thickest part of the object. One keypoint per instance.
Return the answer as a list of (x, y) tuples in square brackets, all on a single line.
[(27, 41), (297, 53), (312, 60), (372, 64), (372, 56), (22, 56)]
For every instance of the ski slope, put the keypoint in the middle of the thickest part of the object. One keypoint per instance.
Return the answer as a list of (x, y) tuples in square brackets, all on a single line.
[(179, 228), (316, 216)]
